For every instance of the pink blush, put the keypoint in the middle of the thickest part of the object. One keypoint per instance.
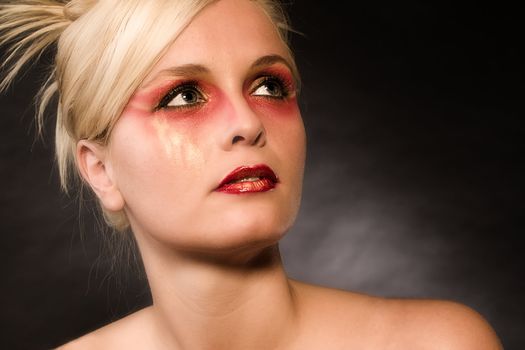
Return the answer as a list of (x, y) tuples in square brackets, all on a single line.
[(135, 110), (276, 108)]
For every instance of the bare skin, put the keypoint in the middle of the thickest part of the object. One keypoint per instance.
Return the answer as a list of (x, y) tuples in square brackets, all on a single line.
[(261, 309), (212, 259)]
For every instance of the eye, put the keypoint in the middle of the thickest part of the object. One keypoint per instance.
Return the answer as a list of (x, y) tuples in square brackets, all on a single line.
[(271, 87), (183, 96)]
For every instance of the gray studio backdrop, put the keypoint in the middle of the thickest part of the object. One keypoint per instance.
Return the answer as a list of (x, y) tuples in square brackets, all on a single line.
[(413, 184)]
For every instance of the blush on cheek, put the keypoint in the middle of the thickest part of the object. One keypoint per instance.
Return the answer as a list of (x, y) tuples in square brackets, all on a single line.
[(133, 110), (141, 106), (275, 108), (139, 116)]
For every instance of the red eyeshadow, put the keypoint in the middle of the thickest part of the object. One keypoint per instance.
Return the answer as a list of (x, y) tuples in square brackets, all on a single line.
[(274, 106), (144, 103), (196, 113)]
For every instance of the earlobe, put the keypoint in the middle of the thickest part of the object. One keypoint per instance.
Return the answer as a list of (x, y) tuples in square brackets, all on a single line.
[(94, 168)]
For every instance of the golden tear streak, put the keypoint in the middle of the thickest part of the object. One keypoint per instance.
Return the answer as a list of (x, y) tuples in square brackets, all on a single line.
[(176, 146)]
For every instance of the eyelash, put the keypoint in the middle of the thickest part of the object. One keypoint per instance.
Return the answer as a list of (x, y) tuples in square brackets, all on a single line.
[(185, 86), (285, 86)]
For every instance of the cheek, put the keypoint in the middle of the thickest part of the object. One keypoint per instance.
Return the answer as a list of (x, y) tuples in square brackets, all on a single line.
[(174, 143), (287, 109), (285, 130), (155, 147), (283, 122)]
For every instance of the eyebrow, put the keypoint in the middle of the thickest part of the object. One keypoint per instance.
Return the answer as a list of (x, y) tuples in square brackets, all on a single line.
[(191, 69), (187, 69), (184, 70), (268, 60)]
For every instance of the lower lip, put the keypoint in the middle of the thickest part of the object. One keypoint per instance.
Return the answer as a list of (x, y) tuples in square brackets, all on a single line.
[(261, 185)]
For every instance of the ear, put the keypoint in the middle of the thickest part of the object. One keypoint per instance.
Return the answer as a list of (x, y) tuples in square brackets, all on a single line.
[(91, 161)]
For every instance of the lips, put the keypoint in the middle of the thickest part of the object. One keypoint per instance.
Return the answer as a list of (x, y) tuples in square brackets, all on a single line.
[(249, 179)]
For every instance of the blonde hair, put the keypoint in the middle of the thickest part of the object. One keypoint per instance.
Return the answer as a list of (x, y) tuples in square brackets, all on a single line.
[(104, 50)]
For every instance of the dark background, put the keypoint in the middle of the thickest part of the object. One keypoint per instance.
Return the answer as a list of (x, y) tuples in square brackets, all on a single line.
[(413, 184)]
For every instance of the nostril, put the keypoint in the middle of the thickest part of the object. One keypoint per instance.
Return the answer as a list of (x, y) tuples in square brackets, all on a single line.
[(256, 141), (249, 139), (237, 139)]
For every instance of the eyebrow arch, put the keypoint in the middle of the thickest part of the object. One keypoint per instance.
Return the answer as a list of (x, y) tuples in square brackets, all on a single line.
[(186, 69), (183, 70), (268, 60), (191, 69)]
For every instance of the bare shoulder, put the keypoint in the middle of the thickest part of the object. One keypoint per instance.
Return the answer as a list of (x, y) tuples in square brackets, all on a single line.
[(365, 321), (447, 324), (126, 333)]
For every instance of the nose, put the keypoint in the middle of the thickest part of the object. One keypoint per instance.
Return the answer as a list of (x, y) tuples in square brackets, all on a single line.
[(243, 127)]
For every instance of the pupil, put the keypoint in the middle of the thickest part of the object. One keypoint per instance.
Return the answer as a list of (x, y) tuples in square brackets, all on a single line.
[(273, 88), (189, 96)]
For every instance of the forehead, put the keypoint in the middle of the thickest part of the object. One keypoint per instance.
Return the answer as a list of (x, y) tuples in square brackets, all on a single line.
[(226, 34)]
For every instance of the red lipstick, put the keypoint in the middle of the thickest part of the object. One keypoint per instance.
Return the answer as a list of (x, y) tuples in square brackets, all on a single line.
[(248, 179)]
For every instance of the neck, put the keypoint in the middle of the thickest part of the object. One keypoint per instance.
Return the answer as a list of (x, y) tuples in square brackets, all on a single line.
[(243, 302)]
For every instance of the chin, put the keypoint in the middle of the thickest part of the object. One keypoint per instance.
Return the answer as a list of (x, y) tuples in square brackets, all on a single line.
[(256, 227), (239, 223)]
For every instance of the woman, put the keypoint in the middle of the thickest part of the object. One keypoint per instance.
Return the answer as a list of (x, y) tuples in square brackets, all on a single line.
[(182, 118)]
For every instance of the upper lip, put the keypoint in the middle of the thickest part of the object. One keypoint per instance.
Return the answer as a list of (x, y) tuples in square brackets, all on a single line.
[(259, 170)]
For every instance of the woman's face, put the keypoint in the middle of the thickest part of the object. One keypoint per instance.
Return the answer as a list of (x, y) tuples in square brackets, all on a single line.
[(222, 97)]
